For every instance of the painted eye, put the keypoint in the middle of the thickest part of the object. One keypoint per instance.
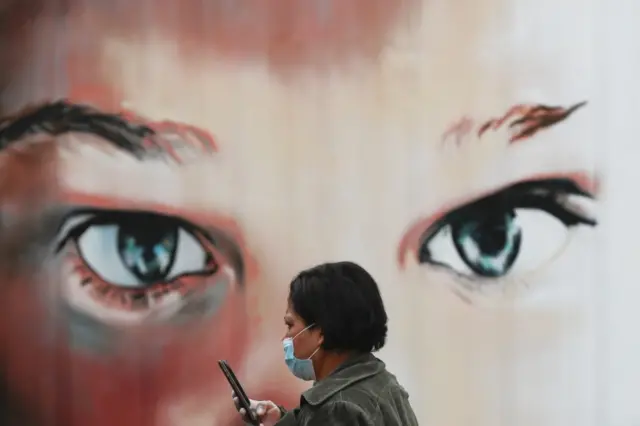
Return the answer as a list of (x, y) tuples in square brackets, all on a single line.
[(514, 231), (129, 266), (494, 243), (141, 253)]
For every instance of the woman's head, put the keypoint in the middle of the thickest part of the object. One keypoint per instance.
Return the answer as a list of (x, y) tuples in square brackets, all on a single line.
[(336, 307)]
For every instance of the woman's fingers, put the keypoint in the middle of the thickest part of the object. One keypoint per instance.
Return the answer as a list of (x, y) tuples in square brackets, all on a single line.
[(259, 409)]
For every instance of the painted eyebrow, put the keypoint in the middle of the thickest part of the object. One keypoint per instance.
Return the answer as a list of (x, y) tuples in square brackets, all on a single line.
[(125, 131), (523, 120)]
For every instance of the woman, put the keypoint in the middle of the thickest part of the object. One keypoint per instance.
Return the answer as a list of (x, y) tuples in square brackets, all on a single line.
[(335, 319)]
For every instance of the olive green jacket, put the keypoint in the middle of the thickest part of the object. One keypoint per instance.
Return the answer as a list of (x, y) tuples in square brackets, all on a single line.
[(361, 392)]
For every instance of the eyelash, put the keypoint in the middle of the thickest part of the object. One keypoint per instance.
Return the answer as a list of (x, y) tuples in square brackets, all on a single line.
[(125, 298), (548, 196), (505, 201)]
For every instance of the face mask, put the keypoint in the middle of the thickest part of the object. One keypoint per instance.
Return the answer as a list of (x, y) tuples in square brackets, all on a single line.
[(301, 368)]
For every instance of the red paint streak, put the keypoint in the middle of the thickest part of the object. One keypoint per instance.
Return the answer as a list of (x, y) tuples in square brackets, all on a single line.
[(409, 243), (285, 34), (100, 96), (88, 83), (523, 121), (193, 134), (527, 120), (496, 123), (18, 19), (288, 36), (166, 130), (459, 130)]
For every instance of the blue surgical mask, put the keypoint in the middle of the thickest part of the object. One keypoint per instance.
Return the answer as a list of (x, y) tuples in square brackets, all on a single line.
[(301, 368)]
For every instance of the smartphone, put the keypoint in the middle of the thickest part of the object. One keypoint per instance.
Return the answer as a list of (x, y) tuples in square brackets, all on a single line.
[(240, 393)]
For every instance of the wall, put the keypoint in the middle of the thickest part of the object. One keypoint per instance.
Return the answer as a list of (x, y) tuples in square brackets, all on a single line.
[(476, 157)]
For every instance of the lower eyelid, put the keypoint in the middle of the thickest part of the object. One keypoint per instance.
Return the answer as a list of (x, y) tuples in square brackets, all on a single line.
[(90, 278)]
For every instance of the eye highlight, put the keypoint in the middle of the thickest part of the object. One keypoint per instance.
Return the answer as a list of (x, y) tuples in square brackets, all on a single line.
[(513, 231)]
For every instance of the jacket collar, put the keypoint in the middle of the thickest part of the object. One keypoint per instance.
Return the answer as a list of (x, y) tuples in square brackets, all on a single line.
[(351, 371)]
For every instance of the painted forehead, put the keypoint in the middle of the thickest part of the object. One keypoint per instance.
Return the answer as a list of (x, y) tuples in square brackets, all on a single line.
[(323, 28)]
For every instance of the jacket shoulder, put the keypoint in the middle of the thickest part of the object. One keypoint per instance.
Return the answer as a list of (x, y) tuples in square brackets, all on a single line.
[(363, 386), (340, 413), (379, 397)]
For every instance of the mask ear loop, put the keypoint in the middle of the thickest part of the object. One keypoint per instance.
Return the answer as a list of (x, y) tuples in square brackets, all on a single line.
[(314, 352), (305, 329)]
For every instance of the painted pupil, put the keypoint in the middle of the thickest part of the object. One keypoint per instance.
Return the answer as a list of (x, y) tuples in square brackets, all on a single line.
[(489, 245), (148, 248)]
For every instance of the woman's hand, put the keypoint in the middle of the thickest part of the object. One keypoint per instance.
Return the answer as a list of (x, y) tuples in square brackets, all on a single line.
[(267, 412)]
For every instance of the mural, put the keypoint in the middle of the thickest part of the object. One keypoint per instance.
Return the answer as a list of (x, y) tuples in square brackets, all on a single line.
[(168, 166), (516, 229), (163, 282)]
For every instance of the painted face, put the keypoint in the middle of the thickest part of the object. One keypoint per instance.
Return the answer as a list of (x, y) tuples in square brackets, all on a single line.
[(458, 166), (117, 291)]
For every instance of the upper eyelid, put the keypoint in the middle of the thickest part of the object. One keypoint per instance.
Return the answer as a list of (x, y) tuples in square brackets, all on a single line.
[(511, 196), (82, 216), (204, 220), (582, 185), (68, 224)]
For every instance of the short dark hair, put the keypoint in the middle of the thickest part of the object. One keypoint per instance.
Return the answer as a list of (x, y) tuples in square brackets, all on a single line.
[(343, 300), (59, 117)]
